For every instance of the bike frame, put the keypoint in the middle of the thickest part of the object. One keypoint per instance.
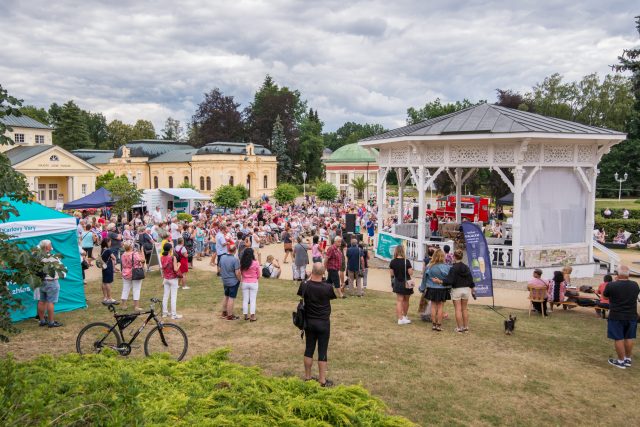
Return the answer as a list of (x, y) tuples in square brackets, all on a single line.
[(151, 314)]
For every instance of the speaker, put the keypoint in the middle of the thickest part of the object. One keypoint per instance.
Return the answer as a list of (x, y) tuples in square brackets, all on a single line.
[(416, 213), (350, 223), (349, 236)]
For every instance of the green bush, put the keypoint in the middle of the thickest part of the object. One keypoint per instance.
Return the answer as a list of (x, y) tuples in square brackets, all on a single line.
[(227, 196), (183, 216), (243, 192), (327, 191), (285, 193), (611, 226), (106, 390), (617, 213)]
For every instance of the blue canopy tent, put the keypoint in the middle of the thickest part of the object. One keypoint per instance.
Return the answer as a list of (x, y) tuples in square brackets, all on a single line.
[(34, 223), (98, 199)]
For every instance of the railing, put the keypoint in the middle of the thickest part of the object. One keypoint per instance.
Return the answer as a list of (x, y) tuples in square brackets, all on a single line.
[(409, 230), (613, 258)]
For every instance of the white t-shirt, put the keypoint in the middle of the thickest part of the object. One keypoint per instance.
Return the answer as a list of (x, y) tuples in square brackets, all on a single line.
[(175, 233), (157, 216)]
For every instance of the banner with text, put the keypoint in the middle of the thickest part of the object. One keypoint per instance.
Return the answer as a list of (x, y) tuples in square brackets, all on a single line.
[(386, 245), (479, 259)]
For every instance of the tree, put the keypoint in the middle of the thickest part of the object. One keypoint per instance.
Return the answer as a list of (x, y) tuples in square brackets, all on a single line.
[(350, 133), (96, 124), (39, 114), (187, 184), (217, 119), (279, 149), (227, 196), (243, 192), (436, 109), (17, 264), (630, 61), (172, 130), (70, 128), (143, 129), (104, 179), (359, 184), (326, 191), (511, 99), (124, 193), (118, 134), (285, 193), (311, 145)]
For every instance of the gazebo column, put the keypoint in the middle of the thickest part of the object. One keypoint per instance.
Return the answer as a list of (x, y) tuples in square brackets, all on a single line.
[(591, 207), (518, 173), (400, 176), (458, 181), (381, 190), (422, 220)]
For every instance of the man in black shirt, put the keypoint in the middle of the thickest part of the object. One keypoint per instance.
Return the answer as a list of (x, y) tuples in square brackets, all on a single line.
[(317, 296), (623, 316)]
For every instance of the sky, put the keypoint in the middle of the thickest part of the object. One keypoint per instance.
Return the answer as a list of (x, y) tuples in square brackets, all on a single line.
[(360, 61)]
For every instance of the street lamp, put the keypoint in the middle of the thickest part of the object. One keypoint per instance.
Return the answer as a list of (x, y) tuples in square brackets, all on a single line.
[(304, 184), (620, 181)]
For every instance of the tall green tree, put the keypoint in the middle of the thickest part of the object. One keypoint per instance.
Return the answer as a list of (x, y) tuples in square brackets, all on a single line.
[(18, 264), (360, 185), (218, 118), (436, 109), (39, 114), (118, 134), (172, 130), (279, 149), (103, 180), (96, 124), (350, 133), (124, 193), (143, 129), (311, 145), (70, 130)]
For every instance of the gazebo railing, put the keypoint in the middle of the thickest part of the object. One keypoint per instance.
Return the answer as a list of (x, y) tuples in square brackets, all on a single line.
[(409, 230)]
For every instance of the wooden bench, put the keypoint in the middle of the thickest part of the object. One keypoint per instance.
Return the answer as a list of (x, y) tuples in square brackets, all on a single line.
[(570, 304)]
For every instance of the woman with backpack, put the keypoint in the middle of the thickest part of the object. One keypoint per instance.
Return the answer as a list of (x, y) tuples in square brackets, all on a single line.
[(250, 271), (87, 240), (170, 268), (188, 238), (462, 288)]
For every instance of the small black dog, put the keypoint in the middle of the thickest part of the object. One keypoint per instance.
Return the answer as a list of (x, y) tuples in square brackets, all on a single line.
[(510, 325)]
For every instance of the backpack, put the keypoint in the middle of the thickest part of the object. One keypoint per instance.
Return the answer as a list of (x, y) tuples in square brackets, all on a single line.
[(300, 316), (266, 272)]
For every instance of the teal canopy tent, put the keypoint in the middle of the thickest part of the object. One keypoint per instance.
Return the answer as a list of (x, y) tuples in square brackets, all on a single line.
[(34, 223)]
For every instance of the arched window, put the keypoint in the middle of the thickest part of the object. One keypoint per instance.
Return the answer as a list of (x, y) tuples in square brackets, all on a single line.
[(170, 182), (53, 158), (155, 182), (202, 182), (265, 181), (208, 183), (186, 179), (231, 180)]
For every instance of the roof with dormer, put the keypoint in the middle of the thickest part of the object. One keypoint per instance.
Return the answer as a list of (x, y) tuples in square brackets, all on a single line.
[(150, 148), (222, 147)]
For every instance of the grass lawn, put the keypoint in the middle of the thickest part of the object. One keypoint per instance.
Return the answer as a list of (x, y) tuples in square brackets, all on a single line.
[(552, 371), (615, 204)]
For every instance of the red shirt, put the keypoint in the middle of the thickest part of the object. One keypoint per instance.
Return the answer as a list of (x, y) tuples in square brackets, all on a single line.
[(601, 293), (334, 259)]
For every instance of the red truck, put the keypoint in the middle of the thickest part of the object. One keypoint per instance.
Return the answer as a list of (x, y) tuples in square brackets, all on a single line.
[(474, 208)]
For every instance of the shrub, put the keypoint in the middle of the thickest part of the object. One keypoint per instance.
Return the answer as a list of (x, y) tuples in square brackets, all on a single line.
[(107, 390), (242, 191), (327, 191), (183, 216), (611, 226), (227, 197), (285, 193)]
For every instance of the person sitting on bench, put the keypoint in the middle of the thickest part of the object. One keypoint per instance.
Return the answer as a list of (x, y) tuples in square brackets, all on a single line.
[(557, 288)]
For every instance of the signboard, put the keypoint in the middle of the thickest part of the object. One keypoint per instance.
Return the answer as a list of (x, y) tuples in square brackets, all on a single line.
[(479, 259), (386, 245)]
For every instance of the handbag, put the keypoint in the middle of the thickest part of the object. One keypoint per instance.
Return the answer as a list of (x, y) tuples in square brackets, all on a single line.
[(137, 273), (299, 316)]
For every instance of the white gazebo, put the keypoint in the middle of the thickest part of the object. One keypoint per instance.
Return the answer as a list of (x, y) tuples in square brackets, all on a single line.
[(554, 167)]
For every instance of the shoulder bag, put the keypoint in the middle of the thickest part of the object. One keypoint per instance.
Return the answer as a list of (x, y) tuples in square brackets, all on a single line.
[(300, 316), (137, 273)]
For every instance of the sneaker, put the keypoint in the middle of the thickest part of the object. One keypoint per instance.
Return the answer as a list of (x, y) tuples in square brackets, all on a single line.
[(406, 319), (327, 383), (176, 316), (55, 324), (43, 323), (627, 362), (617, 363), (186, 287), (403, 321)]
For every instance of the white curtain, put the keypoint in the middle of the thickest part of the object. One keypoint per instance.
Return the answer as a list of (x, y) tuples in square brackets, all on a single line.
[(553, 208)]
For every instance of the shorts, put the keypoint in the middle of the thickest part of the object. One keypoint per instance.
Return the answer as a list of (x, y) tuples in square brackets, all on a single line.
[(333, 278), (370, 232), (621, 329), (231, 291), (460, 293), (49, 291)]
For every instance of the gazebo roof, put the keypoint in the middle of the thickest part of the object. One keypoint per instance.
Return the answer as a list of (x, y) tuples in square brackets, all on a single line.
[(492, 119)]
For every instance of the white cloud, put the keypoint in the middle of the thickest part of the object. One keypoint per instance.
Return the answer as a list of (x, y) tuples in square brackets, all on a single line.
[(365, 61)]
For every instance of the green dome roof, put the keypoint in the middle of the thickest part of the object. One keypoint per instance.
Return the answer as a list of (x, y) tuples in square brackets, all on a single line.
[(353, 153)]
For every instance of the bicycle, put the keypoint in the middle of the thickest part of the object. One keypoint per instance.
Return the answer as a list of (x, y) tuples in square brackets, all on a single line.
[(163, 338)]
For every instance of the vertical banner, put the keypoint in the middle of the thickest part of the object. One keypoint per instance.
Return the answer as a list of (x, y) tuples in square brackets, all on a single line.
[(386, 245), (479, 258)]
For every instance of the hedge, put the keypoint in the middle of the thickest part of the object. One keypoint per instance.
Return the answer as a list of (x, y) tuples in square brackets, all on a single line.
[(183, 216), (107, 390), (611, 227), (617, 213)]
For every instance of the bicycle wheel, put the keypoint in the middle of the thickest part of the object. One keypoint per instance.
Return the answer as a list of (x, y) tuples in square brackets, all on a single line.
[(168, 338), (96, 336)]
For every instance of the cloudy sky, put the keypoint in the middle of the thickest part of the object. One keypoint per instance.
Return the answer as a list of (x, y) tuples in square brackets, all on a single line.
[(364, 61)]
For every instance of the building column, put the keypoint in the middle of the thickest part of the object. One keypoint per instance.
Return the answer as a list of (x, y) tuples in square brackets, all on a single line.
[(518, 173), (380, 188), (35, 187), (458, 176), (591, 206), (422, 220), (400, 176), (69, 189)]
